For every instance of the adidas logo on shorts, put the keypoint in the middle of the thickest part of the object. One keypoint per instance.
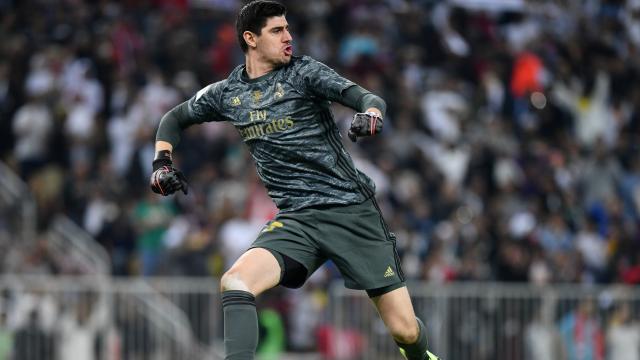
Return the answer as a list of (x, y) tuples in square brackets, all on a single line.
[(389, 272)]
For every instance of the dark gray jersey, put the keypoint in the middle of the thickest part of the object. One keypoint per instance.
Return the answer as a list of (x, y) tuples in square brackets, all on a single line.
[(285, 120)]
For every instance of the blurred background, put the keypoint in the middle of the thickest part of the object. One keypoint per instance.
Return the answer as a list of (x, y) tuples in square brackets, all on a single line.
[(508, 169)]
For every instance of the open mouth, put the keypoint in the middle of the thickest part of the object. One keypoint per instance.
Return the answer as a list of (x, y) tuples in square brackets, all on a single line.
[(288, 50)]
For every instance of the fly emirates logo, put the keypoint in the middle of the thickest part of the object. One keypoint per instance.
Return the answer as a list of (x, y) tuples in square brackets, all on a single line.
[(260, 125)]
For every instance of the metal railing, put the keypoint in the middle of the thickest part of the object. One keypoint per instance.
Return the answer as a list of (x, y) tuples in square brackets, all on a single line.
[(17, 214), (464, 321), (496, 321), (78, 246), (66, 318)]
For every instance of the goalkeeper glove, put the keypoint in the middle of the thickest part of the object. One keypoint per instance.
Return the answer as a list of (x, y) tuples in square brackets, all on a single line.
[(166, 179), (365, 124)]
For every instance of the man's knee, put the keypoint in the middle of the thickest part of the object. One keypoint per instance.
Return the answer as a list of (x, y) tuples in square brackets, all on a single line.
[(255, 271), (405, 331), (232, 280)]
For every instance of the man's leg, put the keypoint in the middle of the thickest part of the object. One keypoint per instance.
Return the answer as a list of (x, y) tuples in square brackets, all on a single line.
[(255, 271), (409, 332)]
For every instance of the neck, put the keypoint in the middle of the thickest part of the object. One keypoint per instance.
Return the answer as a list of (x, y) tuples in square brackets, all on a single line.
[(256, 68)]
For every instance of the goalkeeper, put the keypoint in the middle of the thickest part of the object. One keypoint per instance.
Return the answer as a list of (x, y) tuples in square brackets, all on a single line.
[(279, 103)]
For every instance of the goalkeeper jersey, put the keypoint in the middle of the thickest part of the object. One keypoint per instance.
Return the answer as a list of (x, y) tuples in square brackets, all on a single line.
[(285, 120)]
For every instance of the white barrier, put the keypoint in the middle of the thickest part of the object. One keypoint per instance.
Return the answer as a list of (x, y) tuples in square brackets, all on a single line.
[(90, 318), (499, 321), (70, 318)]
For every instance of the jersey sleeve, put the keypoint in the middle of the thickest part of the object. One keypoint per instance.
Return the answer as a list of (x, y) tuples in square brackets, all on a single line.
[(205, 105), (319, 80)]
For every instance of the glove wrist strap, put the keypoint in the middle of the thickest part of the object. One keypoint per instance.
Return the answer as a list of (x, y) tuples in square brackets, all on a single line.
[(162, 158)]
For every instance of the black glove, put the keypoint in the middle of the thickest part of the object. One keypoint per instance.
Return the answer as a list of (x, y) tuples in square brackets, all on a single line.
[(365, 124), (166, 179)]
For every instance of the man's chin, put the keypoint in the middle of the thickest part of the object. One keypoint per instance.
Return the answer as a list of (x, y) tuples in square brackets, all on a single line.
[(282, 61), (285, 60)]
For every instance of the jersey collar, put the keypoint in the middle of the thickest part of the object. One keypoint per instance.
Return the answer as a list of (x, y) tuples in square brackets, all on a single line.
[(245, 78)]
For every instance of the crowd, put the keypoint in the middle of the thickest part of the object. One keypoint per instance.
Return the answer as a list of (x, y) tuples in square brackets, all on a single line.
[(509, 151)]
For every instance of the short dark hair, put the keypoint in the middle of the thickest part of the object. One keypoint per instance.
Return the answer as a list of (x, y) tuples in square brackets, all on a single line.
[(253, 17)]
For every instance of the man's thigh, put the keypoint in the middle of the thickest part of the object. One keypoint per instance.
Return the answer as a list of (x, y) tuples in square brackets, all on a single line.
[(357, 240), (255, 271), (291, 235)]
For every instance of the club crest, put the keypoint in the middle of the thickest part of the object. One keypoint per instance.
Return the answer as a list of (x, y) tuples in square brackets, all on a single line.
[(257, 95), (279, 91)]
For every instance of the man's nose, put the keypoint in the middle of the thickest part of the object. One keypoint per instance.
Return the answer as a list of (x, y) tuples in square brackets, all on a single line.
[(287, 36)]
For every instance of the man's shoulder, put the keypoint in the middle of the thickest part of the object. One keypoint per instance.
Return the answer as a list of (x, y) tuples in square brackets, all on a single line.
[(211, 89), (221, 85), (235, 75)]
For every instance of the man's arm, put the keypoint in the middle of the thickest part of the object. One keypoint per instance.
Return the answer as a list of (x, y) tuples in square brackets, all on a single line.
[(319, 80), (363, 100), (202, 107), (162, 145), (171, 126), (166, 179)]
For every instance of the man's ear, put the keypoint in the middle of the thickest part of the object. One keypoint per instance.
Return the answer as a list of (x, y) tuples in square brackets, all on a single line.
[(249, 38)]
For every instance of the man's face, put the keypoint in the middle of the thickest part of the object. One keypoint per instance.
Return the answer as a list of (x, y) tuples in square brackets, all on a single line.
[(274, 42)]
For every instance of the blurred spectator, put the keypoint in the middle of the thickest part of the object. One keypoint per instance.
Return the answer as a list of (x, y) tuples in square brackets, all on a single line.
[(6, 337), (554, 235), (32, 342), (361, 41), (541, 337), (236, 235), (527, 79), (444, 108), (272, 335), (133, 331), (32, 125), (592, 247), (79, 329), (335, 343), (590, 110), (582, 334), (152, 217), (623, 335), (221, 51), (305, 313)]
